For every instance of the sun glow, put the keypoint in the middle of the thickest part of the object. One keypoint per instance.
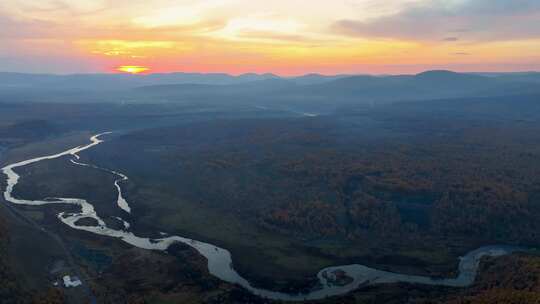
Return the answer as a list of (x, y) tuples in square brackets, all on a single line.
[(281, 36), (132, 69)]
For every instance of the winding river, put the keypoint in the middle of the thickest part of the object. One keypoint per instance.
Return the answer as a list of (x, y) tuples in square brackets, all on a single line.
[(219, 259)]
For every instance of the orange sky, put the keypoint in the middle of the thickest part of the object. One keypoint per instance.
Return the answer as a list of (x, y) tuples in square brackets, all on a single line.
[(287, 37)]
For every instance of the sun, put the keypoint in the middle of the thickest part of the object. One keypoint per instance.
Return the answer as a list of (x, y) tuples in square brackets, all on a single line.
[(132, 69)]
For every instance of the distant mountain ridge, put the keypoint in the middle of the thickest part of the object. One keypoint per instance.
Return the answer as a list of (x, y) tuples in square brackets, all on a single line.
[(107, 81), (308, 88), (426, 85), (122, 81)]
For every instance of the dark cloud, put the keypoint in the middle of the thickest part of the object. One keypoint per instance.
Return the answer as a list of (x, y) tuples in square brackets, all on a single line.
[(451, 39), (461, 30), (478, 19), (498, 7)]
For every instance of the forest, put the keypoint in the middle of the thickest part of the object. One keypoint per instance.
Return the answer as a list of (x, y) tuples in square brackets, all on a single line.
[(403, 187)]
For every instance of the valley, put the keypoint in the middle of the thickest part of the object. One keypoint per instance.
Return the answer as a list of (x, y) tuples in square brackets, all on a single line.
[(279, 176)]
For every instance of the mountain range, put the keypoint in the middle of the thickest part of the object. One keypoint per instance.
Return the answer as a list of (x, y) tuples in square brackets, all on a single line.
[(337, 88)]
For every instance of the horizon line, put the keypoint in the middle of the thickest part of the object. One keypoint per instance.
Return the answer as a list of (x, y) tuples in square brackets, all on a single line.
[(269, 73)]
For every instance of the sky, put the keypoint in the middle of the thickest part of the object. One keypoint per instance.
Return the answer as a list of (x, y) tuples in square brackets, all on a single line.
[(285, 37)]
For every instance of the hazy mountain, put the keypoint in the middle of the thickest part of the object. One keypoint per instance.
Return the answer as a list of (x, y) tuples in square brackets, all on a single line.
[(248, 88), (268, 86), (427, 85), (120, 81), (523, 76), (316, 78)]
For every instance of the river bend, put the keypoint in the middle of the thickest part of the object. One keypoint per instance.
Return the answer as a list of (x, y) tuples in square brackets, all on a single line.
[(219, 259)]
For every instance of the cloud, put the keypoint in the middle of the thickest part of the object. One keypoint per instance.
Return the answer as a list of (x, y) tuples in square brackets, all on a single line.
[(277, 37), (478, 20), (24, 29), (78, 7), (451, 39), (498, 7)]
